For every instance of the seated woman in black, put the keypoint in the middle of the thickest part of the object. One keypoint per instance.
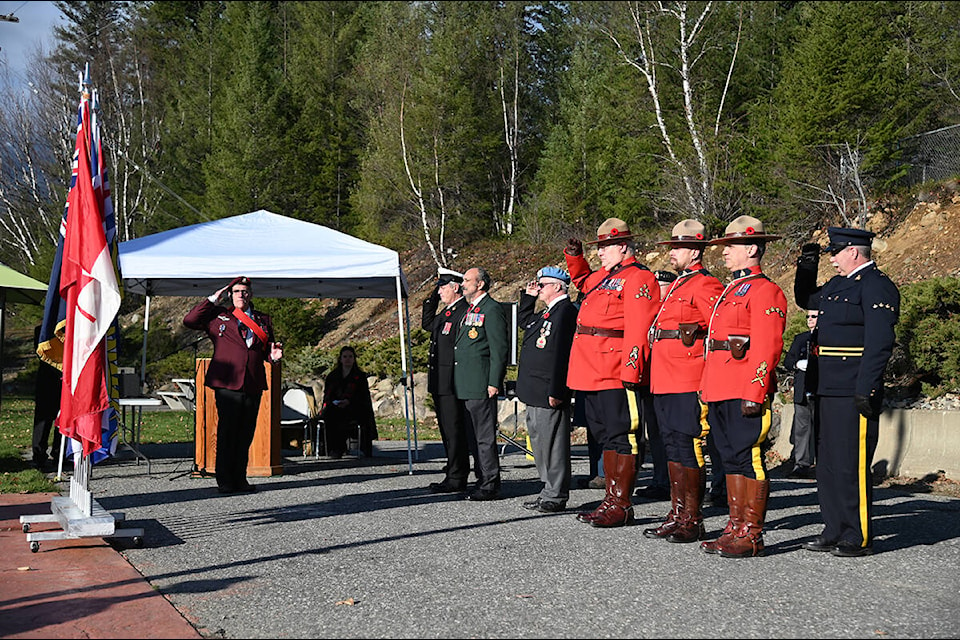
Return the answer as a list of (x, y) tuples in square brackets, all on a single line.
[(346, 404)]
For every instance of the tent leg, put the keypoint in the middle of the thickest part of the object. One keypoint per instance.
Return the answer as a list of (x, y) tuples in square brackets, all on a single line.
[(143, 359)]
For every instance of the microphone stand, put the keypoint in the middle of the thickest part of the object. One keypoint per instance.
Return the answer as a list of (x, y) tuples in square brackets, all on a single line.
[(195, 471)]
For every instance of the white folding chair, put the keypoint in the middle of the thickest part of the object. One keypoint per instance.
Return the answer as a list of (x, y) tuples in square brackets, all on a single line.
[(297, 411)]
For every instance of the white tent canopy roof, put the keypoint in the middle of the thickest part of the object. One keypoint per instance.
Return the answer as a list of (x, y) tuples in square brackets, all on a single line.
[(284, 257)]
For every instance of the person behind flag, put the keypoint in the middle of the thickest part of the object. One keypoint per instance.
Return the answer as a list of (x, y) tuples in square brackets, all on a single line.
[(242, 340)]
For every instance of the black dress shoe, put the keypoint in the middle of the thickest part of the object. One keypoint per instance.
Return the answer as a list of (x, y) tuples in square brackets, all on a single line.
[(445, 487), (226, 490), (819, 543), (247, 488), (532, 505), (846, 549), (549, 506), (802, 473), (483, 495)]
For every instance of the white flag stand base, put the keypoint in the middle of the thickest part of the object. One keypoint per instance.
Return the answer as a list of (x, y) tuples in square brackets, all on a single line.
[(79, 515)]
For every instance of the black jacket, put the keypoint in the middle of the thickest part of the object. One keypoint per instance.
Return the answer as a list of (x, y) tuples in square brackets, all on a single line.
[(804, 382), (443, 336), (545, 351)]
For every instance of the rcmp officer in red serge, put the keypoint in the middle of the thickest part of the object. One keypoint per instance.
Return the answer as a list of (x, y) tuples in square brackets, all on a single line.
[(242, 339), (451, 414), (744, 344), (480, 364), (676, 366), (542, 383), (859, 309), (610, 358)]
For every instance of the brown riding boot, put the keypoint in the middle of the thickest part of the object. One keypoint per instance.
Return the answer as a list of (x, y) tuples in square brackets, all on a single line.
[(675, 469), (747, 539), (619, 512), (735, 502), (609, 462), (690, 521)]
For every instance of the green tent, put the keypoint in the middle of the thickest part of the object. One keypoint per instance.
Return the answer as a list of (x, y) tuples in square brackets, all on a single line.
[(16, 287)]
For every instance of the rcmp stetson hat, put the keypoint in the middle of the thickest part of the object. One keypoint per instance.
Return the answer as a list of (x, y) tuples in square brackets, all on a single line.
[(841, 238), (612, 231), (554, 272), (744, 230), (687, 231)]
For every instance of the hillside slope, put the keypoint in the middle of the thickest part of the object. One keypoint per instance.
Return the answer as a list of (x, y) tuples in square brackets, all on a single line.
[(913, 243)]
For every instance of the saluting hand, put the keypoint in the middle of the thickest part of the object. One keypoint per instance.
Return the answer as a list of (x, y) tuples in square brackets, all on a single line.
[(574, 247)]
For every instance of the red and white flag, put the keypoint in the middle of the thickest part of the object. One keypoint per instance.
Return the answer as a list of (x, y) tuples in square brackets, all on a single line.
[(89, 285)]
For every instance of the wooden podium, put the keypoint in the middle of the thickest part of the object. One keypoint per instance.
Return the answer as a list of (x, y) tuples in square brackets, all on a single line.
[(265, 450)]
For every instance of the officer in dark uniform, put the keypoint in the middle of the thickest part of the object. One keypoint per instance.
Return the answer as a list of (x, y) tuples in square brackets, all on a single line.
[(859, 309), (451, 415)]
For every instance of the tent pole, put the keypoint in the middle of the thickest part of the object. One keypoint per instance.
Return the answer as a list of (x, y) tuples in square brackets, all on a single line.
[(405, 371), (143, 360), (413, 399)]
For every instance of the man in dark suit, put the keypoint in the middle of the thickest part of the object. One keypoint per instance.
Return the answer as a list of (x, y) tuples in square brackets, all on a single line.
[(542, 383), (859, 309), (242, 340), (451, 414), (802, 362), (480, 364)]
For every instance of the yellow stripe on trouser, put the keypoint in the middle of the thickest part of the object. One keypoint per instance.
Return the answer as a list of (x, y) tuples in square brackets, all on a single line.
[(862, 479), (700, 441), (634, 421), (756, 454)]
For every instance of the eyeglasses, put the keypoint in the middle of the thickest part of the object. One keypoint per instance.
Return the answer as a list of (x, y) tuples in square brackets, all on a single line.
[(813, 315), (243, 292)]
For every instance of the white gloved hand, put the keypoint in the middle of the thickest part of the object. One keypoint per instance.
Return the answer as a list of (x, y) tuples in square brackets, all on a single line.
[(802, 364)]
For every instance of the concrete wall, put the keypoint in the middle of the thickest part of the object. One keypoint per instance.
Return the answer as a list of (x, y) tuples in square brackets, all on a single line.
[(912, 443)]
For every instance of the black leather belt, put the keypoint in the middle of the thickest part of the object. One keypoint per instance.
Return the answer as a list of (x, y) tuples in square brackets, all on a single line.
[(718, 345), (598, 331), (666, 334)]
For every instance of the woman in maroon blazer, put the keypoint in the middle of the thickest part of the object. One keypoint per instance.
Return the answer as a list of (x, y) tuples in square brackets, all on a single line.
[(242, 339)]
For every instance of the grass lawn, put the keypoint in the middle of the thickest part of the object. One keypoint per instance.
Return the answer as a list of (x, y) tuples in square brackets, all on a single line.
[(17, 475)]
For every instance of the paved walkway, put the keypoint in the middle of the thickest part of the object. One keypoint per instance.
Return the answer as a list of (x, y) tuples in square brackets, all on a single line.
[(78, 588), (353, 548)]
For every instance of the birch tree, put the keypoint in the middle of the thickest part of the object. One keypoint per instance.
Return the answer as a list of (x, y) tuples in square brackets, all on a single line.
[(666, 43)]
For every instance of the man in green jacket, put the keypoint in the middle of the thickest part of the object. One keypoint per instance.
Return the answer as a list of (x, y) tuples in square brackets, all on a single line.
[(480, 364)]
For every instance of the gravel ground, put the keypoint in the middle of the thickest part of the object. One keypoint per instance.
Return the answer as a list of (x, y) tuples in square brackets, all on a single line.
[(354, 548)]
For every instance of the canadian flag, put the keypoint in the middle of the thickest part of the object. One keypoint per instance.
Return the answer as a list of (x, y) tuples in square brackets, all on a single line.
[(89, 285)]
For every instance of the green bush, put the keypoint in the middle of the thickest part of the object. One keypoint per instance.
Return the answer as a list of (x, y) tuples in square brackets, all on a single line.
[(380, 358), (929, 333)]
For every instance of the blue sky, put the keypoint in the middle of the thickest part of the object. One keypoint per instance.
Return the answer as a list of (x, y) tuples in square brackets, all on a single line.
[(20, 39)]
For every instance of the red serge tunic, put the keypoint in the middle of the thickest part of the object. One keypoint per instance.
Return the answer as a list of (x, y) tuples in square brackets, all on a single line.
[(623, 299), (675, 368), (752, 306)]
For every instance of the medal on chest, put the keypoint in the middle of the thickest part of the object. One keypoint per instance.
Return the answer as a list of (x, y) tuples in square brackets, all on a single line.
[(544, 332), (473, 333)]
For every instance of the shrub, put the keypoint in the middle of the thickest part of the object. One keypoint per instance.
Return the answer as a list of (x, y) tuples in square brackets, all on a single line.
[(929, 333)]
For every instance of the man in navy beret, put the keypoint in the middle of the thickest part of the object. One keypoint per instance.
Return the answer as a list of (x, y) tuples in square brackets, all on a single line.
[(854, 339)]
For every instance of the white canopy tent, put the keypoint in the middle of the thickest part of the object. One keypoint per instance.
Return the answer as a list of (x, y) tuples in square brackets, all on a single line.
[(285, 258)]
